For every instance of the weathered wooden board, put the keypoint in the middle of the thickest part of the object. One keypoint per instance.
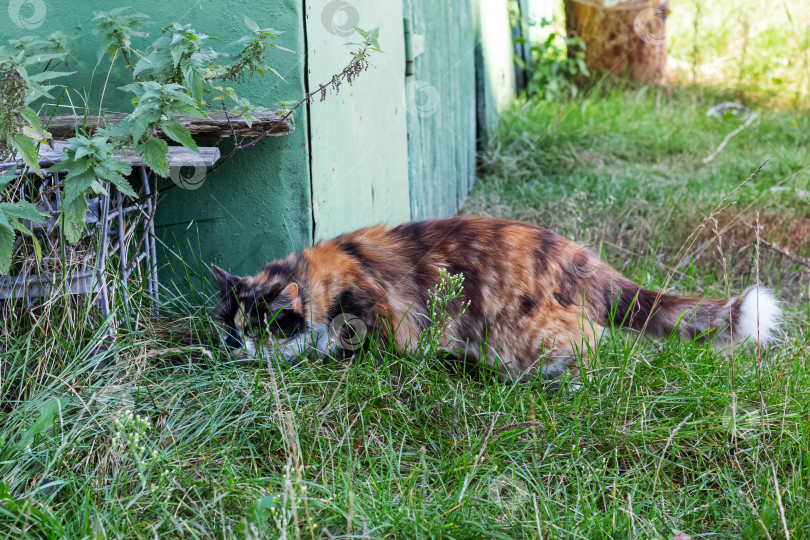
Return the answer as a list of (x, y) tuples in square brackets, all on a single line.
[(494, 69), (440, 104), (359, 137), (265, 122), (178, 156)]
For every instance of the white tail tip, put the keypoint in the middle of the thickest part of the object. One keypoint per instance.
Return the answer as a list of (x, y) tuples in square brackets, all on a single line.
[(758, 317)]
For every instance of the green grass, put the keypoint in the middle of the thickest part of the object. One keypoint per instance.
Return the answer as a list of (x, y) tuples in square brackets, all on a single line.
[(761, 45), (662, 437)]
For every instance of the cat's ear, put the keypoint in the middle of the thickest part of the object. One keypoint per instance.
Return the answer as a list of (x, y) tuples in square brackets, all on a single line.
[(290, 290), (290, 293), (224, 279)]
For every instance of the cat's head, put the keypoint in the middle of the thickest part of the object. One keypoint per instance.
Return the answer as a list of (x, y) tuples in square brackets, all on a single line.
[(266, 309)]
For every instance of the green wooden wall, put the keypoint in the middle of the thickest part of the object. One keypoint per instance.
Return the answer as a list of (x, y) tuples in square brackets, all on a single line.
[(388, 148), (255, 206), (258, 204)]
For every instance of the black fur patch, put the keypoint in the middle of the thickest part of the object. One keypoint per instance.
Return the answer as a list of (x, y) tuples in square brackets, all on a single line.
[(353, 302), (287, 323), (367, 263), (413, 232), (288, 270), (353, 250), (528, 304), (567, 290), (633, 311), (232, 339), (546, 240), (417, 249), (270, 313)]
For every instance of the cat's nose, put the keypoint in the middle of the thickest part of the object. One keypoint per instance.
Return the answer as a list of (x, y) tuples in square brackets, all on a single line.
[(232, 342)]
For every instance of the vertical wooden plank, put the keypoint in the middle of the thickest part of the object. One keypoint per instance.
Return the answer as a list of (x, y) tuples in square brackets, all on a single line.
[(440, 102), (358, 138), (520, 32), (495, 74)]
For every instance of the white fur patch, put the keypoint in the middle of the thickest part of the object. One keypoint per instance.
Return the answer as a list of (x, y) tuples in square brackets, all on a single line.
[(766, 307), (249, 346), (312, 342)]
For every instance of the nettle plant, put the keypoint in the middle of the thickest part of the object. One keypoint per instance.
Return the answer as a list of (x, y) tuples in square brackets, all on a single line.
[(557, 63), (180, 72)]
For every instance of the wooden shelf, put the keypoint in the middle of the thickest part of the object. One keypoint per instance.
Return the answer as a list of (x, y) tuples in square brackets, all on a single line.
[(265, 122)]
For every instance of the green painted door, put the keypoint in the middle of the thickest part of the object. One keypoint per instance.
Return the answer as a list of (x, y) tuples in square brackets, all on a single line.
[(358, 138)]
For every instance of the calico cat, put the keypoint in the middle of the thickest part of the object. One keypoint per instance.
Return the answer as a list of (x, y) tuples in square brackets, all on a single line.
[(533, 298)]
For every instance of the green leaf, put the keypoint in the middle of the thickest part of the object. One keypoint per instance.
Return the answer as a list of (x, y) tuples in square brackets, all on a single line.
[(32, 119), (154, 62), (179, 133), (73, 165), (4, 220), (46, 414), (113, 164), (176, 50), (37, 248), (102, 144), (74, 215), (136, 88), (6, 244), (279, 47), (47, 75), (77, 185), (153, 153), (27, 149), (192, 76), (5, 178), (23, 210), (81, 152), (276, 73), (110, 171), (193, 108), (20, 228), (141, 120)]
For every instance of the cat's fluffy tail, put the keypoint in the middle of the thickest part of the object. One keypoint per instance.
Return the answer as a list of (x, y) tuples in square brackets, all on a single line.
[(753, 316)]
